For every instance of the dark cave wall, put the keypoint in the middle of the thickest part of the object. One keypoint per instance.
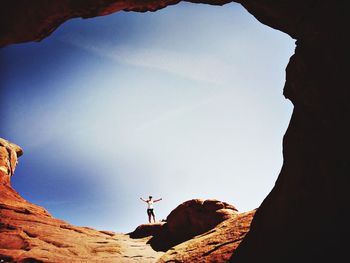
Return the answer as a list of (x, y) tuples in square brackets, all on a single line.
[(304, 217), (310, 198)]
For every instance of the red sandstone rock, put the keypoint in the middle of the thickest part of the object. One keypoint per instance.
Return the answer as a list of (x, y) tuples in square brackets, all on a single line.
[(197, 216), (23, 20), (189, 219), (8, 159), (28, 233), (315, 170), (216, 245)]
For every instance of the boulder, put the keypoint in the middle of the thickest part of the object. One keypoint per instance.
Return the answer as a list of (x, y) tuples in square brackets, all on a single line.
[(215, 245), (189, 219), (197, 216)]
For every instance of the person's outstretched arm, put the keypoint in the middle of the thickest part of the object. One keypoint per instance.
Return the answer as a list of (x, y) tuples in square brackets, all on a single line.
[(143, 199), (160, 199)]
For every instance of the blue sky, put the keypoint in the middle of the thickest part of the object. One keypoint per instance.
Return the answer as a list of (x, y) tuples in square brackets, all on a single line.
[(182, 103)]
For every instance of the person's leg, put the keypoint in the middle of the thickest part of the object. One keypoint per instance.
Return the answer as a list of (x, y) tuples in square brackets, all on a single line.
[(149, 213), (154, 217)]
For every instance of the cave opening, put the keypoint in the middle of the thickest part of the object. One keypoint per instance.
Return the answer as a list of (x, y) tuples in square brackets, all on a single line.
[(182, 103)]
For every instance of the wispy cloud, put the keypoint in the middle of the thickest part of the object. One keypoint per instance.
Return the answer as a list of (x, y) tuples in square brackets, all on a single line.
[(178, 112), (198, 67)]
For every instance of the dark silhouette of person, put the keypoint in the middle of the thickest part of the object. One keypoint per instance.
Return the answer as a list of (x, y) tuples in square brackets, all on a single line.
[(150, 207)]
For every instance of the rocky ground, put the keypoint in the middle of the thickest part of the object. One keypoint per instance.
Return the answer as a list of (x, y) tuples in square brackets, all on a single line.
[(28, 233), (195, 231)]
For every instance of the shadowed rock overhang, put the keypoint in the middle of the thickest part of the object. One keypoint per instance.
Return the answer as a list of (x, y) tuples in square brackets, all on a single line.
[(23, 21), (305, 217)]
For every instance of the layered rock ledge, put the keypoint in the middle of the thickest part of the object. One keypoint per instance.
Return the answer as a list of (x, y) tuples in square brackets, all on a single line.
[(28, 233)]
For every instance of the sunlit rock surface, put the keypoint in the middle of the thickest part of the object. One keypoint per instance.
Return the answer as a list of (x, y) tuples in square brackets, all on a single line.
[(198, 231), (28, 233), (189, 219), (215, 245), (8, 160)]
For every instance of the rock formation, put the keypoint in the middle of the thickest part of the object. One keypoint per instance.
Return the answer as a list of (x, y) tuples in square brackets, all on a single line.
[(22, 21), (198, 231), (189, 219), (28, 233), (304, 218), (8, 160), (216, 245)]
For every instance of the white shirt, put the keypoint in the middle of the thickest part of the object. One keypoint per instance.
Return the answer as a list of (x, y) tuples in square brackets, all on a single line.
[(150, 204)]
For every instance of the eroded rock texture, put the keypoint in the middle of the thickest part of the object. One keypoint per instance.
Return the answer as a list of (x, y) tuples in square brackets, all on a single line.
[(193, 232), (8, 160), (215, 245), (304, 218), (198, 231), (189, 219), (28, 233)]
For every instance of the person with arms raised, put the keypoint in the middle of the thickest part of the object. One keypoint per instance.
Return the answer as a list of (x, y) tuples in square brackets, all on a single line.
[(150, 207)]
